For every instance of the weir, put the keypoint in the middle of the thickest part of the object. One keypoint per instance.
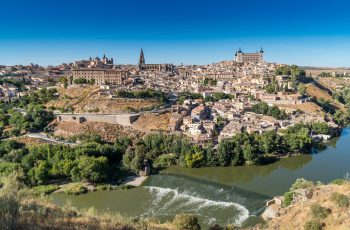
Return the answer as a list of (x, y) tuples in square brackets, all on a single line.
[(177, 193)]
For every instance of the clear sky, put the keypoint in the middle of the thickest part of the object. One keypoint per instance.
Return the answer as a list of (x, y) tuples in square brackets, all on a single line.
[(303, 32)]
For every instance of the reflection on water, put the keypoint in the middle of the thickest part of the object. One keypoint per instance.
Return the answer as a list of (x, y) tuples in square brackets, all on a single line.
[(221, 195)]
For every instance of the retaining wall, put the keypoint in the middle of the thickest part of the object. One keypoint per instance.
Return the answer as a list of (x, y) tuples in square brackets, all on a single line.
[(121, 119)]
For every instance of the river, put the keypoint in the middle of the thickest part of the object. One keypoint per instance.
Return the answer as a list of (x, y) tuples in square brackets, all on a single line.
[(222, 194)]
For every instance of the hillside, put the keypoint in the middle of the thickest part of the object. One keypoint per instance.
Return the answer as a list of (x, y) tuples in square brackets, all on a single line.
[(320, 94), (321, 211), (315, 71), (108, 132), (88, 99), (152, 122)]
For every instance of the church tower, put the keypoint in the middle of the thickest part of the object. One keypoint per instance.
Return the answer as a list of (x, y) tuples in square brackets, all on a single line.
[(142, 58)]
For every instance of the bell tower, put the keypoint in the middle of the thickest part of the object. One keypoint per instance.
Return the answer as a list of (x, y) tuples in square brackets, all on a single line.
[(142, 58)]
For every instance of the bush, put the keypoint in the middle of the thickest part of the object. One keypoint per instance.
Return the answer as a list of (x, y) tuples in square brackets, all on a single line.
[(76, 190), (340, 199), (45, 189), (319, 212), (165, 160), (338, 181), (103, 187), (7, 168), (313, 225), (301, 183), (288, 198), (186, 222), (10, 197)]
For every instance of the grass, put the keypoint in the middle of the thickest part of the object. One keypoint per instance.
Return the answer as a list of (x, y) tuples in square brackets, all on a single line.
[(186, 222), (44, 189), (338, 181), (75, 189), (319, 212), (288, 198), (340, 199), (313, 225)]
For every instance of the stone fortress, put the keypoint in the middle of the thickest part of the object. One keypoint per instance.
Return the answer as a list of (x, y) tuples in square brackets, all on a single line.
[(257, 57)]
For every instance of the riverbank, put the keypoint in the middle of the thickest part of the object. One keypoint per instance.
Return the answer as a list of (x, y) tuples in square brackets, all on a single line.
[(179, 189)]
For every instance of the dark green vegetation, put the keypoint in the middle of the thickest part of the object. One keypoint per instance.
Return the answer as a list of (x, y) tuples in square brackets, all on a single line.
[(188, 95), (298, 184), (319, 212), (80, 81), (144, 94), (340, 199), (218, 96), (313, 225), (265, 109), (164, 150), (210, 82), (26, 113), (91, 161), (295, 73)]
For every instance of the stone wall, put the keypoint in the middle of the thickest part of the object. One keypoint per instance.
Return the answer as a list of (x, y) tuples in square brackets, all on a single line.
[(121, 119)]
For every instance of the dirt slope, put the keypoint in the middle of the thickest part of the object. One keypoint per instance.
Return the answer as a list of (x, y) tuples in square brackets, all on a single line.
[(108, 132), (316, 92), (87, 99), (152, 122), (295, 216)]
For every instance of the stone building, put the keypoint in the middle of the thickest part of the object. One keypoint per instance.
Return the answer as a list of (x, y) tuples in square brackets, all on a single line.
[(153, 67), (257, 57), (101, 76), (95, 63)]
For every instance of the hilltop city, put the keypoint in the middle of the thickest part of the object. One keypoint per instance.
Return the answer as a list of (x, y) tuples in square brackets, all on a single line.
[(208, 103), (96, 125)]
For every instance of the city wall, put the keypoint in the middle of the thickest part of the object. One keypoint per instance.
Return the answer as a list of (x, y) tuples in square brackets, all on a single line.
[(121, 119)]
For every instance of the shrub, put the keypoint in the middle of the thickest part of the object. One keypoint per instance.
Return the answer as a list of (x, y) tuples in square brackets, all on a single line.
[(76, 190), (10, 197), (165, 160), (338, 181), (301, 183), (319, 212), (288, 198), (340, 199), (45, 189), (186, 222), (103, 187), (313, 225)]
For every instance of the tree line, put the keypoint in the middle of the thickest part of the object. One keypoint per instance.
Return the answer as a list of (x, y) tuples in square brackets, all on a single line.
[(242, 149), (91, 161)]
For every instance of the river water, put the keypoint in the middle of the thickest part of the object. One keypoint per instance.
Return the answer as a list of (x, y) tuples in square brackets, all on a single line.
[(219, 195)]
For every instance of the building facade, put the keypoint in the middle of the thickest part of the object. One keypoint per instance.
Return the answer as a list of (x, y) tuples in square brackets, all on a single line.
[(153, 67), (257, 57), (95, 63), (101, 76)]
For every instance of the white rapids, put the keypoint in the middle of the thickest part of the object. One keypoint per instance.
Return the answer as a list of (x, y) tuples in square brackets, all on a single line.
[(193, 202)]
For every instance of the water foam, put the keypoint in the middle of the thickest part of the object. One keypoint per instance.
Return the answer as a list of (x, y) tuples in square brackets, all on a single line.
[(194, 199)]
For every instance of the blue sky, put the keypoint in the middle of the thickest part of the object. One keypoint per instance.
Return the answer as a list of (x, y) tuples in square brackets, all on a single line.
[(303, 32)]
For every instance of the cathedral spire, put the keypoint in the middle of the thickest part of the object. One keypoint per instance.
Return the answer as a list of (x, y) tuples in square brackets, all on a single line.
[(142, 58)]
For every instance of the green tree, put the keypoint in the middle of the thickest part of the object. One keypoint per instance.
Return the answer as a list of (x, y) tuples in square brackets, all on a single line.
[(91, 169), (250, 153), (40, 173), (301, 89), (194, 158), (64, 80)]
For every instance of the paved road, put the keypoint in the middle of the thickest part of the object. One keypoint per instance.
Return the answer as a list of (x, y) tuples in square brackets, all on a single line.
[(46, 138)]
